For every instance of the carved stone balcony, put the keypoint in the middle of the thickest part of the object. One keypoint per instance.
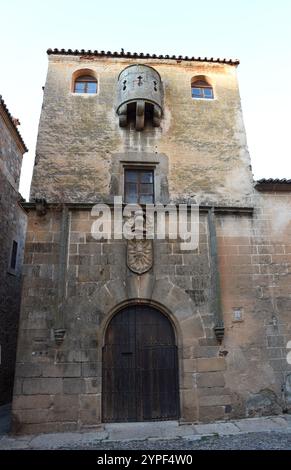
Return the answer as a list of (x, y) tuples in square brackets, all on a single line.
[(140, 96)]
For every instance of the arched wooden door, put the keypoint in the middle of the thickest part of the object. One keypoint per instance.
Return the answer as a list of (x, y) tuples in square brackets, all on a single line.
[(139, 367)]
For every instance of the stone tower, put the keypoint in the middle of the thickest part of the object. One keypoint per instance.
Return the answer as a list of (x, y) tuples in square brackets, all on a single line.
[(137, 330)]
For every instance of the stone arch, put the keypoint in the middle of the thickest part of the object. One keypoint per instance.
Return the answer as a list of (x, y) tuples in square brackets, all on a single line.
[(163, 295), (176, 303), (151, 303), (202, 78), (178, 306)]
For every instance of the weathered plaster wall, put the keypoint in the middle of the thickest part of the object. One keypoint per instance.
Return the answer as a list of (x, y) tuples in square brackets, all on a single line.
[(203, 139)]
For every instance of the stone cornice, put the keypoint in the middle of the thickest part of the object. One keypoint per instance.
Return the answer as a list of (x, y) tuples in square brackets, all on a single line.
[(247, 210)]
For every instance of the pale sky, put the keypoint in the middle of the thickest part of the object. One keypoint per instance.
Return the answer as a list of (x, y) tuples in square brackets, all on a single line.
[(257, 32)]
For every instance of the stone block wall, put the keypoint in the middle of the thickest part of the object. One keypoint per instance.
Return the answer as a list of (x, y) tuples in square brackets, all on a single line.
[(12, 227), (274, 293), (60, 387), (10, 153), (238, 278), (255, 282)]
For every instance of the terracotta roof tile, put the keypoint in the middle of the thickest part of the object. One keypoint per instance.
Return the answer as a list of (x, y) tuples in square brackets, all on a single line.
[(138, 55), (273, 184), (12, 121)]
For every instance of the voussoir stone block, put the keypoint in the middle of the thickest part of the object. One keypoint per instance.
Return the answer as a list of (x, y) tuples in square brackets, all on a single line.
[(192, 329), (117, 290)]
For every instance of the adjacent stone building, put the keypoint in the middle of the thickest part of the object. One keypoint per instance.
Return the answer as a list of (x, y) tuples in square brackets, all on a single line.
[(136, 330), (12, 237)]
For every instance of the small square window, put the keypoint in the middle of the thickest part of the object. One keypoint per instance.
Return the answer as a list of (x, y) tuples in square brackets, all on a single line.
[(237, 314)]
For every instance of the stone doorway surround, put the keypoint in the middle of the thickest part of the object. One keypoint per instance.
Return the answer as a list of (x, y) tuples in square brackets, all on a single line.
[(177, 305)]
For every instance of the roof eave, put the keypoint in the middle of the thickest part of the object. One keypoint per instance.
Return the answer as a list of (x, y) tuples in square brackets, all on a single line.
[(135, 55), (9, 121), (274, 185)]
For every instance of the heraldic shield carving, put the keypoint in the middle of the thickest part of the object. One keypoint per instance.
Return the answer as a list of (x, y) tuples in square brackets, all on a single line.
[(139, 255)]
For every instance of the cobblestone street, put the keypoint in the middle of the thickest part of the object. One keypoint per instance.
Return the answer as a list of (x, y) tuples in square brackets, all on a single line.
[(251, 441), (268, 433)]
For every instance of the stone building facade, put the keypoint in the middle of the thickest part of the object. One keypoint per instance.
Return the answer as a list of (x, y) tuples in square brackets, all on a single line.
[(12, 237), (119, 330)]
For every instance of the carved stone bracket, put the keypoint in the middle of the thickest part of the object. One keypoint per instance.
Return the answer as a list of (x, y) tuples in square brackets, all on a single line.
[(59, 335), (40, 206), (219, 332)]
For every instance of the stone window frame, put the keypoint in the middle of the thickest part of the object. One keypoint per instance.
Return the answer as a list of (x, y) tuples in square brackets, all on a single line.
[(148, 161), (139, 167), (84, 72), (208, 84)]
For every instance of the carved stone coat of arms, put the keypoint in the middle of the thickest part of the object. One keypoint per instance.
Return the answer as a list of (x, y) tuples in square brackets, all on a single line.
[(139, 255)]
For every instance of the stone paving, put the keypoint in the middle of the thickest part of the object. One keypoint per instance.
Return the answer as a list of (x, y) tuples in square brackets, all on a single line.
[(253, 433)]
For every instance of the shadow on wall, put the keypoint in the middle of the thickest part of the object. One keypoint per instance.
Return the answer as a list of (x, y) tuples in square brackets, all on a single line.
[(5, 419)]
